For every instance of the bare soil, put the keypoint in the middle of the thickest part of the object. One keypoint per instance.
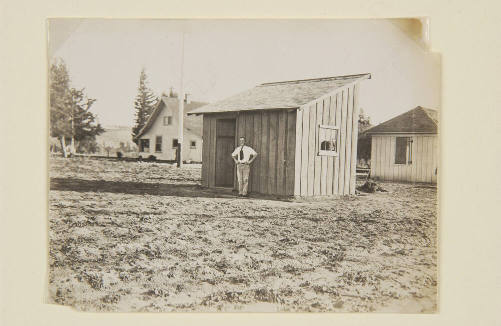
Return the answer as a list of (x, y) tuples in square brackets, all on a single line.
[(128, 236)]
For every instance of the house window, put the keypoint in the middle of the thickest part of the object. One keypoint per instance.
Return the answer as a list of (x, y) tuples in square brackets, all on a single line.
[(174, 143), (327, 140), (193, 144), (158, 144), (144, 145), (403, 150), (167, 120)]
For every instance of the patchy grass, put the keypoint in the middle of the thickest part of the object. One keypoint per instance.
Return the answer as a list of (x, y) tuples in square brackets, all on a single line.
[(128, 236)]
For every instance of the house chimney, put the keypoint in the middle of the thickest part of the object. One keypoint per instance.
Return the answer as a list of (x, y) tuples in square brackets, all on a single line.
[(187, 98)]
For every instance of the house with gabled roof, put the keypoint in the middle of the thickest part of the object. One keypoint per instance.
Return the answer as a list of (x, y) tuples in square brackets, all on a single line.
[(305, 132), (405, 148), (159, 136)]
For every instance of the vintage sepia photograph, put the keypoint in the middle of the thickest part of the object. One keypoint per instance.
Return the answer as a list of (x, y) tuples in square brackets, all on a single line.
[(243, 165)]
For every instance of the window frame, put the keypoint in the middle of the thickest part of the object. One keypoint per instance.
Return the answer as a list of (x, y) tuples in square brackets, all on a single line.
[(322, 152), (193, 142), (408, 150), (141, 145), (158, 143), (177, 142)]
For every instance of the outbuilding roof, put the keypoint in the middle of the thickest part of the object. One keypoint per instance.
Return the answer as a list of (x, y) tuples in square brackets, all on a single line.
[(281, 95), (190, 123), (418, 120)]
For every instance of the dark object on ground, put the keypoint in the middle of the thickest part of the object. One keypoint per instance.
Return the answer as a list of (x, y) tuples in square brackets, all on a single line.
[(152, 158), (119, 154), (371, 186)]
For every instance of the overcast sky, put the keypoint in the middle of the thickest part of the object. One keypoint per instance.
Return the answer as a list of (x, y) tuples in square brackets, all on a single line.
[(224, 57)]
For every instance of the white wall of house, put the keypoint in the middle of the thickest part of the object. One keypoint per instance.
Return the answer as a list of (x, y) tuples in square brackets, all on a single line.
[(423, 165), (168, 133)]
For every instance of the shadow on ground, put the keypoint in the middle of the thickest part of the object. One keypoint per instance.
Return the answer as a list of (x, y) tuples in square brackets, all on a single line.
[(137, 188)]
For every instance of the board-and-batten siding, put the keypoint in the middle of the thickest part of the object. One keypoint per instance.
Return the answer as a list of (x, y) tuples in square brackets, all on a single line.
[(327, 175), (272, 133), (424, 159)]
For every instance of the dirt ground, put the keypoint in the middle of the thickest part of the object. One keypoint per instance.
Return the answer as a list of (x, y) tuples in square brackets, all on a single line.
[(128, 236)]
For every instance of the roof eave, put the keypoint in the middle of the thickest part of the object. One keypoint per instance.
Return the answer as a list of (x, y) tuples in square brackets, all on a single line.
[(252, 109), (399, 132)]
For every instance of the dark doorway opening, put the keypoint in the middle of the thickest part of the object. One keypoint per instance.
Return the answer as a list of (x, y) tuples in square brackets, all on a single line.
[(225, 144)]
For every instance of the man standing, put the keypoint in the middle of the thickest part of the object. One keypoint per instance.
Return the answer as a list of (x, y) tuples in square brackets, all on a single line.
[(243, 156)]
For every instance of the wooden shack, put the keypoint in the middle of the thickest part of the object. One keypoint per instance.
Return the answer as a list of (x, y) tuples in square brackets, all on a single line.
[(405, 148), (305, 132)]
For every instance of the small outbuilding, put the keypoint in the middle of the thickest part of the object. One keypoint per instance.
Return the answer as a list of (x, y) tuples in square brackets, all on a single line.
[(159, 136), (405, 148), (305, 132)]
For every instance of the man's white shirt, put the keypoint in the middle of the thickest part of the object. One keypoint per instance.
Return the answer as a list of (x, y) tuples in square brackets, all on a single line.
[(248, 151)]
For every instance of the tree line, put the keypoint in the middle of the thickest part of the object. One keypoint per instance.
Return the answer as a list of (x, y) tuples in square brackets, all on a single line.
[(71, 121)]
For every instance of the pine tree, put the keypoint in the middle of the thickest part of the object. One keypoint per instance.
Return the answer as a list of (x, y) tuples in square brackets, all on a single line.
[(70, 118), (144, 104), (364, 121), (59, 85)]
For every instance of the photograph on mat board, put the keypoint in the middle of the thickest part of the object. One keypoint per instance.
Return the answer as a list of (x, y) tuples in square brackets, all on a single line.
[(243, 165)]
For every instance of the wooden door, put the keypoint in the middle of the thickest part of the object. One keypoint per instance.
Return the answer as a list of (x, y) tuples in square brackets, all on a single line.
[(225, 144)]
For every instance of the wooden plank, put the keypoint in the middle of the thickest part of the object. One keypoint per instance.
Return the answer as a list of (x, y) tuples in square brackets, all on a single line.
[(290, 153), (386, 148), (248, 134), (408, 171), (298, 152), (373, 156), (337, 122), (329, 175), (349, 125), (305, 151), (380, 155), (239, 128), (272, 163), (256, 168), (354, 140), (311, 149), (435, 159), (428, 159), (265, 153), (393, 172), (342, 143), (281, 149), (317, 158), (205, 150), (413, 164), (212, 160), (324, 159), (330, 159), (419, 153)]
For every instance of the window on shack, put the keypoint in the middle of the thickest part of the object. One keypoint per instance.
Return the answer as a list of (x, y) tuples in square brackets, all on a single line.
[(403, 150), (158, 144), (144, 145), (174, 143), (327, 140), (193, 144)]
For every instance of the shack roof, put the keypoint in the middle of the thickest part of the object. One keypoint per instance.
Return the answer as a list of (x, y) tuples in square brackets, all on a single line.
[(191, 123), (418, 120), (281, 95)]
